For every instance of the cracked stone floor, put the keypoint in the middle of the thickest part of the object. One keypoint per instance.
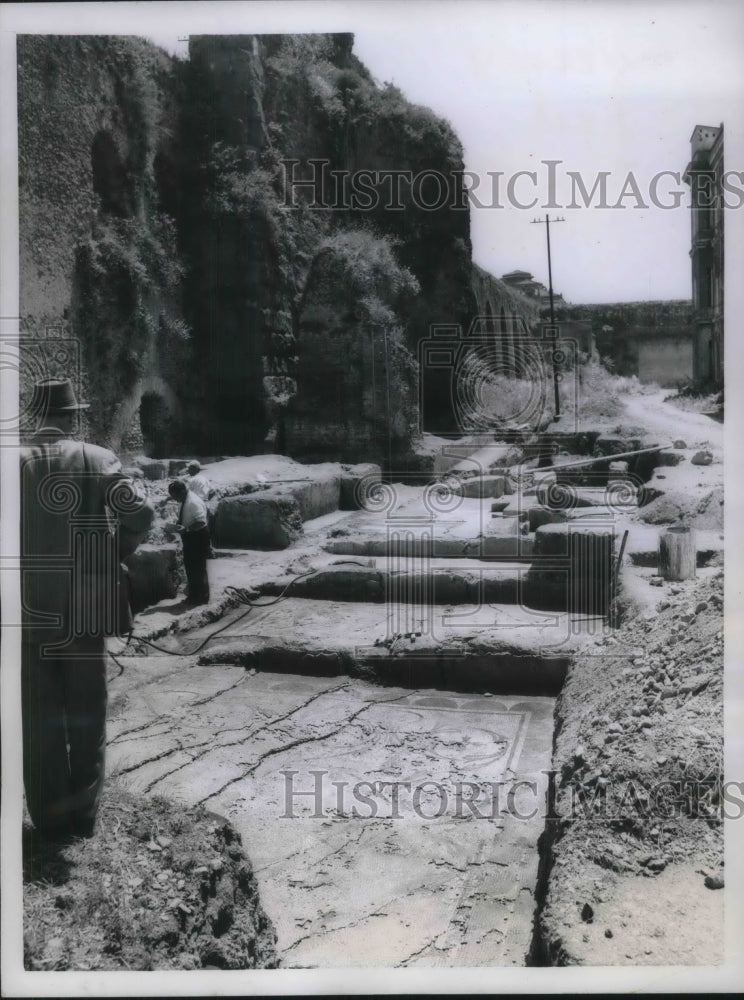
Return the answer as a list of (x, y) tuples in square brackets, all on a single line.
[(350, 874)]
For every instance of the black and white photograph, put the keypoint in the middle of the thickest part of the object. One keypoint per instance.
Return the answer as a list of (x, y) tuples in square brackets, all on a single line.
[(366, 375)]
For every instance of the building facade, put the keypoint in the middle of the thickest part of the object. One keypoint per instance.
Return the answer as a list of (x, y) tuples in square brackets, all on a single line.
[(525, 284), (704, 175)]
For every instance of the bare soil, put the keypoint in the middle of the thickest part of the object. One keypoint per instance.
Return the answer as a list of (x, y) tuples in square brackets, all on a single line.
[(638, 757), (159, 886)]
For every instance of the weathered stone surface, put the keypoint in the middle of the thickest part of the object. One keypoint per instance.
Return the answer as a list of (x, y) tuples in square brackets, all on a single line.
[(583, 584), (484, 486), (702, 458), (177, 467), (538, 516), (318, 496), (616, 445), (357, 386), (669, 458), (153, 574), (153, 468), (268, 520), (355, 480)]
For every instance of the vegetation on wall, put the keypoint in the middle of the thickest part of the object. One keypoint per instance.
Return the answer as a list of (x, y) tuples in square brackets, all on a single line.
[(368, 275), (123, 272), (155, 190)]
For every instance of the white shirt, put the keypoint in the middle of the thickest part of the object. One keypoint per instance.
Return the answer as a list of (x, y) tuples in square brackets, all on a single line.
[(193, 513), (199, 484)]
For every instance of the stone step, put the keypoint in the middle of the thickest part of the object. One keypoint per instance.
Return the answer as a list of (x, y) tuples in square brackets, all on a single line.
[(411, 580), (543, 583), (622, 496), (509, 547), (504, 648), (482, 487)]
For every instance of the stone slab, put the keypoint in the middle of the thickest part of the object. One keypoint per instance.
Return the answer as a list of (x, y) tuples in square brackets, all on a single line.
[(481, 487), (355, 483), (266, 520), (154, 574)]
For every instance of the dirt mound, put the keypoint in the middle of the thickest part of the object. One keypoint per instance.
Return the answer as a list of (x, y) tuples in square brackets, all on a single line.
[(160, 886), (639, 790), (704, 512)]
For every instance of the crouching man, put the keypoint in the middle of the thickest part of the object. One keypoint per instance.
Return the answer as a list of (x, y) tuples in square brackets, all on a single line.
[(80, 516), (194, 532)]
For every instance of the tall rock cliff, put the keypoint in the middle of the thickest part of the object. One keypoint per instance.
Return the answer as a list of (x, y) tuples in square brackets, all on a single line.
[(248, 247), (100, 273)]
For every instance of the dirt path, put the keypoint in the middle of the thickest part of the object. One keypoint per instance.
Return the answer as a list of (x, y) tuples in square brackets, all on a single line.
[(658, 417)]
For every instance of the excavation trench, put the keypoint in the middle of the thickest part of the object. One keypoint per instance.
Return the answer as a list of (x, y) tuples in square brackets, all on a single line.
[(391, 800), (380, 733)]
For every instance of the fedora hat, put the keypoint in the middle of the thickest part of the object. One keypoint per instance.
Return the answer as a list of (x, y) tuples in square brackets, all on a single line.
[(52, 395)]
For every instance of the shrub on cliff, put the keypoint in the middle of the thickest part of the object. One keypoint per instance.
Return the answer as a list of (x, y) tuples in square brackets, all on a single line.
[(363, 271)]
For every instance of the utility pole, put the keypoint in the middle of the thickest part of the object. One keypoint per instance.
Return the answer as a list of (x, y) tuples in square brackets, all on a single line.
[(546, 222)]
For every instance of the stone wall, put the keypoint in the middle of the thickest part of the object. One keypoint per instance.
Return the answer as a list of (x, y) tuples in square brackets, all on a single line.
[(272, 117), (99, 265), (161, 240), (652, 340)]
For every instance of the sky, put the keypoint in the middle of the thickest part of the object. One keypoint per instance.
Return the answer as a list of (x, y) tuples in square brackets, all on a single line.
[(613, 86), (598, 87)]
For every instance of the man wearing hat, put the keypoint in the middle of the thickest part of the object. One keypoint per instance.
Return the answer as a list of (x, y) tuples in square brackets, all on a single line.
[(80, 516)]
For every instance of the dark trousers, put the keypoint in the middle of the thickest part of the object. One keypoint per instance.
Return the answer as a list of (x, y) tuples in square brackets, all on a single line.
[(64, 734), (196, 549)]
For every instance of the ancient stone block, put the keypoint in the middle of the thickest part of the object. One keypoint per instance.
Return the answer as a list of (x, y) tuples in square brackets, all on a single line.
[(153, 468), (318, 496), (153, 574), (267, 520), (484, 486), (356, 480), (584, 584)]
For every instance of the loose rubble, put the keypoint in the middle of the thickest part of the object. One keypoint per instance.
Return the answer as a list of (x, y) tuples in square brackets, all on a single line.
[(639, 780)]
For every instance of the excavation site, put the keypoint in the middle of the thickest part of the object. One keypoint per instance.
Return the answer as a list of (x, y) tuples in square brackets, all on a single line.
[(418, 660)]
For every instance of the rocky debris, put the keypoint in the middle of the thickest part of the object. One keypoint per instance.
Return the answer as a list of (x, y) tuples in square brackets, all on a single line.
[(679, 443), (159, 886), (669, 458), (639, 763), (662, 509), (703, 511), (702, 458)]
